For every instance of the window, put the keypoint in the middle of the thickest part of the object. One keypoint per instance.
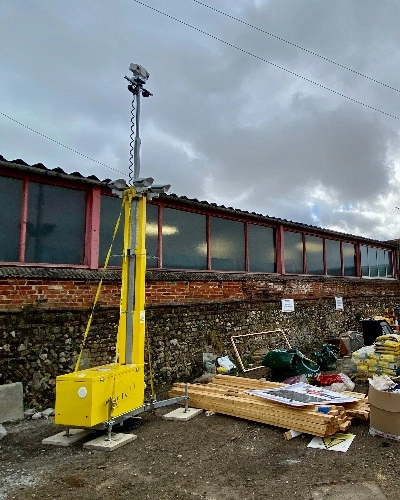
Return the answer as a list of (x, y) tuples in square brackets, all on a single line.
[(10, 220), (151, 235), (55, 230), (110, 208), (184, 242), (332, 257), (293, 252), (349, 259), (314, 255), (261, 248), (376, 262), (227, 245)]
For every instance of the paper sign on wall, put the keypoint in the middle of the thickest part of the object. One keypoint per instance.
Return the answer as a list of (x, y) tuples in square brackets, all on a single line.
[(287, 305), (339, 303)]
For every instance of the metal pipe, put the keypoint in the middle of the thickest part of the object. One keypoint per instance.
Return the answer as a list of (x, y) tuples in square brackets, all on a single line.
[(136, 151), (187, 399)]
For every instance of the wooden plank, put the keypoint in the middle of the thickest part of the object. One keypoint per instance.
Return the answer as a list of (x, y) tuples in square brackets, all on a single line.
[(356, 409), (300, 419), (254, 401), (211, 390), (258, 416)]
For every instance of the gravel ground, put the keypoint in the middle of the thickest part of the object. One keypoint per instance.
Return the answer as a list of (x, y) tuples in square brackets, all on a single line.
[(209, 457)]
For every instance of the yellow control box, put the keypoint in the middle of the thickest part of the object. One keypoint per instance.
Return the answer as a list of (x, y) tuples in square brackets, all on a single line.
[(90, 397)]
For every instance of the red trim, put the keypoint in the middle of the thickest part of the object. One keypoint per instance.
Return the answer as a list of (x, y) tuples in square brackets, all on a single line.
[(358, 259), (45, 180), (280, 249)]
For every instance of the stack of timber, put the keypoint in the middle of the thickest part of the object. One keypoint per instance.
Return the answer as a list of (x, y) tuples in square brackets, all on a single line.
[(227, 395)]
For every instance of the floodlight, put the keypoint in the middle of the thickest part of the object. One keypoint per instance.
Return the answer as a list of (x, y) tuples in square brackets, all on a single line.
[(142, 182), (159, 188), (118, 186)]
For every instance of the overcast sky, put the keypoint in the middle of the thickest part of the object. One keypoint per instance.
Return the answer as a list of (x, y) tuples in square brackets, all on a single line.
[(222, 126)]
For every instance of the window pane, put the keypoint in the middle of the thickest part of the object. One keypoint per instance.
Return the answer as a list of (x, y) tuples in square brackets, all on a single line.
[(373, 262), (184, 244), (261, 247), (389, 263), (110, 208), (381, 264), (152, 235), (333, 259), (227, 245), (10, 210), (349, 259), (56, 225), (314, 255), (293, 252), (364, 262)]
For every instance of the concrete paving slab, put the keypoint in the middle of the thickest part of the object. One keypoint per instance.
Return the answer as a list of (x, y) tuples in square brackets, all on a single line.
[(11, 402), (180, 414), (101, 443), (348, 491), (61, 439)]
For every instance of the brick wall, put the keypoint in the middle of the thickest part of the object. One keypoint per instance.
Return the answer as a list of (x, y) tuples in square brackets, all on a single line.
[(16, 293), (42, 319)]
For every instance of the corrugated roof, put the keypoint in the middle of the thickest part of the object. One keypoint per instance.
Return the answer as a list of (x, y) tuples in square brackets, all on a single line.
[(184, 200)]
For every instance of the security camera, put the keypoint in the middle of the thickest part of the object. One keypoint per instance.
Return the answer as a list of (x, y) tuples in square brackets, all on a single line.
[(139, 73)]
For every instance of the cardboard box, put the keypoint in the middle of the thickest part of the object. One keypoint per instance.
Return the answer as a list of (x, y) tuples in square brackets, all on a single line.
[(384, 411)]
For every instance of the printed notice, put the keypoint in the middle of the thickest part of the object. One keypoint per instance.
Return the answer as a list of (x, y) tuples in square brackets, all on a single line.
[(339, 303), (287, 305)]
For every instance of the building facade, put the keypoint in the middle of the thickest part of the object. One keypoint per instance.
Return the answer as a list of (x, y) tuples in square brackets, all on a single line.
[(212, 271)]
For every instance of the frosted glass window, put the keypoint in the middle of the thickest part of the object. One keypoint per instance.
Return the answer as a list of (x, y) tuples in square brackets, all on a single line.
[(333, 258), (184, 243), (376, 263), (110, 208), (364, 261), (293, 252), (261, 248), (349, 259), (55, 230), (10, 220), (314, 255), (152, 236), (227, 245)]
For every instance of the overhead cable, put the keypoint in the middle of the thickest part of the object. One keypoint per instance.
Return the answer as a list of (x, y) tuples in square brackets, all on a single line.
[(244, 51), (298, 46), (59, 143)]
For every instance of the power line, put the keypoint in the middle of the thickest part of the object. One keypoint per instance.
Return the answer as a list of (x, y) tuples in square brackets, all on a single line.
[(298, 46), (60, 143), (267, 62)]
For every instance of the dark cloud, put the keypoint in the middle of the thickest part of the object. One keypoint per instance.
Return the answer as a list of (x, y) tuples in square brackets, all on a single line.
[(222, 125)]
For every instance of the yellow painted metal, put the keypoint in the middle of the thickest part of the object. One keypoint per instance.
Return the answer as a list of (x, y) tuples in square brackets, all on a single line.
[(139, 318), (98, 395), (90, 397), (128, 197)]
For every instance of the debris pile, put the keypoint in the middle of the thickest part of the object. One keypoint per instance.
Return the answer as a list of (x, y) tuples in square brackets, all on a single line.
[(229, 396)]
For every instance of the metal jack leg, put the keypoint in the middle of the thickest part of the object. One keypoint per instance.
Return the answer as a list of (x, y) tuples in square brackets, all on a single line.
[(109, 432), (187, 399)]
